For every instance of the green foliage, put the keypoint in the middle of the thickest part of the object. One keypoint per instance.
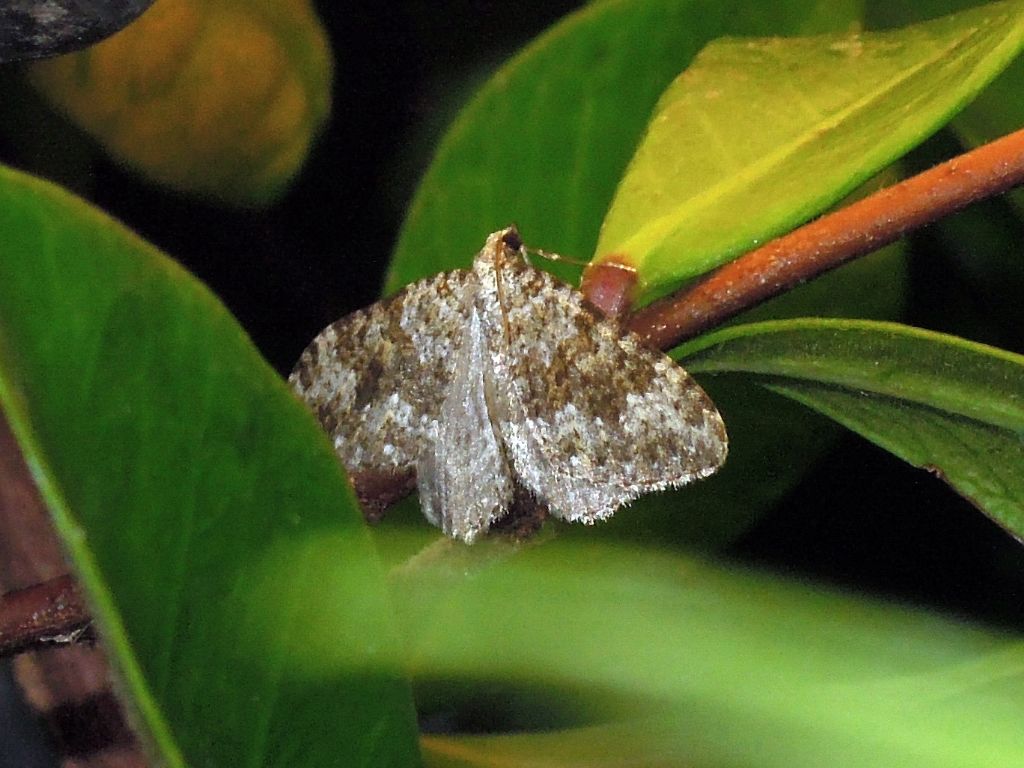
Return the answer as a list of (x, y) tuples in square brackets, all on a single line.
[(244, 604), (937, 401), (700, 665), (780, 129), (997, 110), (197, 499), (544, 143)]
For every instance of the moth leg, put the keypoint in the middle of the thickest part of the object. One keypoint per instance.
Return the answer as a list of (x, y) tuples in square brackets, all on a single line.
[(465, 481)]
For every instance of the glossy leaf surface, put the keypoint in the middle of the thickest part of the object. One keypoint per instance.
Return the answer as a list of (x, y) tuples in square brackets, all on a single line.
[(937, 401), (757, 136), (545, 142), (198, 500)]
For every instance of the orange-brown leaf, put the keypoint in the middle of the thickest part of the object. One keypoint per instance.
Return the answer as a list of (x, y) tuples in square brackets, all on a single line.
[(216, 98)]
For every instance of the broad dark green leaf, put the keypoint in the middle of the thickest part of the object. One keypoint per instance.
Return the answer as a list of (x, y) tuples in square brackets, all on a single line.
[(697, 665), (937, 401), (756, 136), (545, 141), (198, 500)]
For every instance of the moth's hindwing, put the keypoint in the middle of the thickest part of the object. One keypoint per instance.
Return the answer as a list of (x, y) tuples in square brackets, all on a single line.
[(594, 417)]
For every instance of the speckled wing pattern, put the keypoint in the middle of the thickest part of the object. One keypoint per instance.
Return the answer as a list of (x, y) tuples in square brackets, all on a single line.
[(593, 418), (502, 376), (375, 378)]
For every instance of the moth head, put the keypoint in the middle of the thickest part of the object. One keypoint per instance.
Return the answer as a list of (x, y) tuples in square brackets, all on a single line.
[(510, 239), (502, 247)]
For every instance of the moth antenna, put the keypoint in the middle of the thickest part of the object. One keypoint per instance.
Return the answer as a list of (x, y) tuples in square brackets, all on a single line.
[(513, 240), (552, 256)]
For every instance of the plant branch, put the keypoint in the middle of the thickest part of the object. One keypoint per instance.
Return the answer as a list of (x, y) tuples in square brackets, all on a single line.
[(53, 611), (832, 240), (49, 613)]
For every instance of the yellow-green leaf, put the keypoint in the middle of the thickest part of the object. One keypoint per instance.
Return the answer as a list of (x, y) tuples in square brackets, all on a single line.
[(759, 135), (546, 139)]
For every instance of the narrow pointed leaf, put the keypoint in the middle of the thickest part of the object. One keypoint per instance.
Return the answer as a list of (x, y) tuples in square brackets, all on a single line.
[(937, 401), (198, 502), (757, 136)]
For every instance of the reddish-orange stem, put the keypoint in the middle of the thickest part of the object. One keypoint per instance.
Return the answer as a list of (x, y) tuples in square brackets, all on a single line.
[(832, 240)]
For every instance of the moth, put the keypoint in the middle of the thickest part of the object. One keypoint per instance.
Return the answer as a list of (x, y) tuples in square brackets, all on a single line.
[(485, 386)]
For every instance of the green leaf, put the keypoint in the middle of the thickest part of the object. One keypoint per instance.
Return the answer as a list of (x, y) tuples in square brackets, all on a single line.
[(545, 141), (198, 501), (937, 401), (697, 665), (998, 109), (757, 136)]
